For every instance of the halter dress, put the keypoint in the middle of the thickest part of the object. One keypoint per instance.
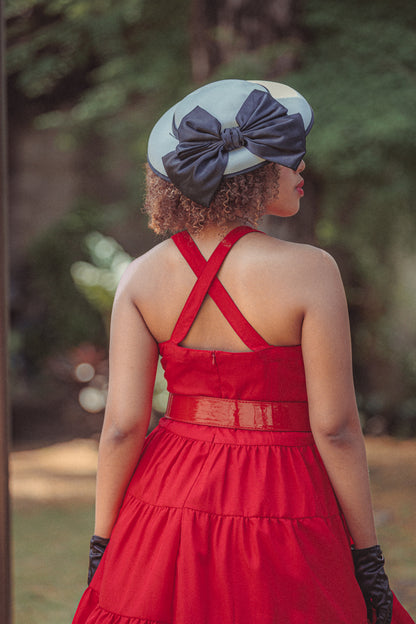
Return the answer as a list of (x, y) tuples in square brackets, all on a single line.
[(230, 517)]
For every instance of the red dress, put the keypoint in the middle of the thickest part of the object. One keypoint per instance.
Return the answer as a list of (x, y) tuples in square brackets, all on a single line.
[(236, 523)]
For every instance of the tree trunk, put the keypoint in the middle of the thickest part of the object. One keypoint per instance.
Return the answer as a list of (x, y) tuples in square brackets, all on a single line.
[(222, 29)]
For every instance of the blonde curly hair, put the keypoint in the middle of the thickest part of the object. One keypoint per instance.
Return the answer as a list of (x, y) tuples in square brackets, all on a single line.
[(241, 197)]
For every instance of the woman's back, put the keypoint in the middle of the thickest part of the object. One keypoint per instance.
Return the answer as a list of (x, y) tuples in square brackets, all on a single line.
[(259, 372), (271, 282)]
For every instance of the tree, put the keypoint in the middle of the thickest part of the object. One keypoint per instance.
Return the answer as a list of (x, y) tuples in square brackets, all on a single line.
[(358, 70), (233, 31)]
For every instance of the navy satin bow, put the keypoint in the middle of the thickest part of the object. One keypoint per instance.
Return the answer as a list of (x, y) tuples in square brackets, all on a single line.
[(197, 165)]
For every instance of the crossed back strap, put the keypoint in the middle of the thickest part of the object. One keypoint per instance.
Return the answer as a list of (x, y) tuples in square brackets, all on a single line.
[(208, 283)]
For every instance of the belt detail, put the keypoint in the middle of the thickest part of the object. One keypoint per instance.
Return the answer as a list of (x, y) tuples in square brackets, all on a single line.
[(239, 414)]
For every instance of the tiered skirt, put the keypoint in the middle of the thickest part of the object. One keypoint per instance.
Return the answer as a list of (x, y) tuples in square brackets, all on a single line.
[(227, 526)]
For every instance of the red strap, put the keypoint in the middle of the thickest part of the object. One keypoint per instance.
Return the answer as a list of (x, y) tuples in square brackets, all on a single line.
[(208, 283)]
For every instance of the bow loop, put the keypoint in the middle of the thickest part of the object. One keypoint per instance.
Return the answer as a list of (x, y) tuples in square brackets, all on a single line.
[(264, 128)]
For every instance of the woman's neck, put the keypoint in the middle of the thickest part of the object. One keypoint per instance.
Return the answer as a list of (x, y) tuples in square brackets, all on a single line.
[(210, 235), (211, 231)]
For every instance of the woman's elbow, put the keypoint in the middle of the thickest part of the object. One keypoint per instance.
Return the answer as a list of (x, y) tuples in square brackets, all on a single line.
[(337, 430), (118, 431)]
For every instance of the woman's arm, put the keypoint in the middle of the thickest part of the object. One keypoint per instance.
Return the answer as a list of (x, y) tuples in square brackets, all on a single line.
[(333, 412), (133, 361)]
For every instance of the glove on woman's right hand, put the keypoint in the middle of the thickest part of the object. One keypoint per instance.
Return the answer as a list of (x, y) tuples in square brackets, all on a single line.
[(97, 548), (373, 582)]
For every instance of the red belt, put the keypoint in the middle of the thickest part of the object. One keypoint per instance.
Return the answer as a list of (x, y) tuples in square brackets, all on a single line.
[(237, 414)]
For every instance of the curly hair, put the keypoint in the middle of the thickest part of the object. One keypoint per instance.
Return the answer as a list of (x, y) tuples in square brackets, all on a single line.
[(239, 198)]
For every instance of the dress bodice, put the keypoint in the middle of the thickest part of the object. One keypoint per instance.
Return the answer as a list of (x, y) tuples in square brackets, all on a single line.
[(273, 374), (266, 372)]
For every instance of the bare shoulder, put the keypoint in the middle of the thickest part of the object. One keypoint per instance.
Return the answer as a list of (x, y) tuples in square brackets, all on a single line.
[(318, 277), (306, 260), (317, 272), (304, 275), (302, 252), (146, 270), (314, 261)]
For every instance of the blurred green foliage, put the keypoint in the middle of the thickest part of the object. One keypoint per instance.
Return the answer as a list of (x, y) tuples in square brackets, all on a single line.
[(102, 68), (97, 280), (358, 69), (98, 57), (59, 316)]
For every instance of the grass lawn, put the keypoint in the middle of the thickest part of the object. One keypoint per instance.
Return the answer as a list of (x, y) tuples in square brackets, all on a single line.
[(52, 521), (50, 561)]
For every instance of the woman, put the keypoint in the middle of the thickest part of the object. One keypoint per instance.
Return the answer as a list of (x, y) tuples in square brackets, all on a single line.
[(242, 505)]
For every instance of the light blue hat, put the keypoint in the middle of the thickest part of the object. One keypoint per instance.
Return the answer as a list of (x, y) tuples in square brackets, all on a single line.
[(226, 128)]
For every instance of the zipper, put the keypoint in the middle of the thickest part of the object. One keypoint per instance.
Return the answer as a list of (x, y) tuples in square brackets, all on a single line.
[(213, 358)]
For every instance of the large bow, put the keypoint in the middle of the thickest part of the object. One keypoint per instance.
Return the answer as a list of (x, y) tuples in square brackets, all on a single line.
[(197, 165)]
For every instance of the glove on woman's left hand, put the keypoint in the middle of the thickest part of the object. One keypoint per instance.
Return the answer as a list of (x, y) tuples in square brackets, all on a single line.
[(97, 548), (373, 582)]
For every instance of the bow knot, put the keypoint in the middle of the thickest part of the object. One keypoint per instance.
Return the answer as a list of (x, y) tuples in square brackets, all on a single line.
[(264, 128), (232, 138)]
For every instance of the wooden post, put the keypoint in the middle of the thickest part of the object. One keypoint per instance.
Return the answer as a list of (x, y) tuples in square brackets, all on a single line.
[(5, 582)]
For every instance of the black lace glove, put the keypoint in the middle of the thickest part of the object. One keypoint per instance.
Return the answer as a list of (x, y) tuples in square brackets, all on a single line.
[(373, 582), (97, 548)]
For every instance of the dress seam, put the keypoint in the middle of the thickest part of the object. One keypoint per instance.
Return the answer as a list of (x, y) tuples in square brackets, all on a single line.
[(133, 617), (220, 443), (217, 370), (179, 435), (212, 513)]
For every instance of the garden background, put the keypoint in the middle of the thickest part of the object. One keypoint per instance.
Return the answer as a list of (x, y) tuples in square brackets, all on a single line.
[(86, 81)]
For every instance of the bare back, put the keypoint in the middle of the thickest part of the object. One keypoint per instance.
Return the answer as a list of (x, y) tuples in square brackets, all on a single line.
[(270, 281)]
